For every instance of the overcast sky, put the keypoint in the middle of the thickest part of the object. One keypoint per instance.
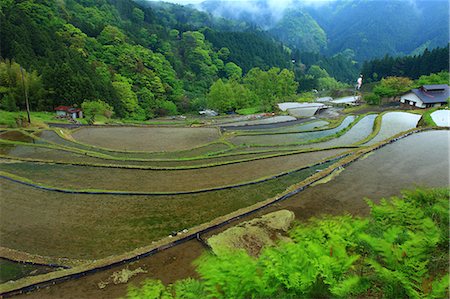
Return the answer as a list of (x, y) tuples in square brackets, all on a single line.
[(279, 1)]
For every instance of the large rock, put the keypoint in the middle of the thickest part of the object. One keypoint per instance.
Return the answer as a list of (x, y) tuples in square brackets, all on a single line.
[(255, 234)]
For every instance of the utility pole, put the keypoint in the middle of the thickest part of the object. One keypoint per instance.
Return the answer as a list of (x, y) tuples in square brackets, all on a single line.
[(26, 96)]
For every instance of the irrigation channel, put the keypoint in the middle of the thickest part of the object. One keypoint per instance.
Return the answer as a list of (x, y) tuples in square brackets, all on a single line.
[(100, 237)]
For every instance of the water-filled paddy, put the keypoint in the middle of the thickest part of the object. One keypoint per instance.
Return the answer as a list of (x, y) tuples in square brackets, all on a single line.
[(261, 121), (198, 151), (84, 177), (290, 138), (50, 155), (383, 173), (393, 123), (89, 226), (418, 160), (293, 128), (358, 132), (441, 118), (146, 138)]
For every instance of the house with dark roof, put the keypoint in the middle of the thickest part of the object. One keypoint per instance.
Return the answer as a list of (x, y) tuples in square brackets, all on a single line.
[(426, 96), (67, 111)]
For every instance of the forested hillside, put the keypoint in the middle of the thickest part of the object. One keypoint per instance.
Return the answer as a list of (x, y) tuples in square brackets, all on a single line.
[(407, 66), (140, 60), (368, 27)]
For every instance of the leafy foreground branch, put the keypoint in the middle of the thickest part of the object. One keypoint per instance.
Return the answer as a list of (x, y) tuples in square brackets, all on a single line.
[(399, 251)]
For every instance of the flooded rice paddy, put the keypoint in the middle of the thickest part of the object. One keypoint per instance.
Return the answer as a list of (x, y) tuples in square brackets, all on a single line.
[(441, 118), (290, 138), (420, 160), (83, 226), (312, 125), (383, 173), (154, 139), (358, 132), (85, 177), (393, 123), (94, 226)]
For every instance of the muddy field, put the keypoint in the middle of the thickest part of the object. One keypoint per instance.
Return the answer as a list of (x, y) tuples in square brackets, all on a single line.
[(390, 172), (84, 177), (153, 139), (94, 226)]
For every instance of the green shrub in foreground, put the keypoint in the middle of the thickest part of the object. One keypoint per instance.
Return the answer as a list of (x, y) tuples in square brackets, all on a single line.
[(399, 251)]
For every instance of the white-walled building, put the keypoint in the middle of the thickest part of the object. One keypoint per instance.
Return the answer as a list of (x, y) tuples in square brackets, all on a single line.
[(426, 96)]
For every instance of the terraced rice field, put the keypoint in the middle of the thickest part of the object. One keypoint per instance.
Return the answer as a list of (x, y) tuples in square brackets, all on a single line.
[(382, 174), (358, 132), (312, 125), (102, 178), (280, 139), (153, 139), (83, 227), (102, 225), (441, 118), (393, 123)]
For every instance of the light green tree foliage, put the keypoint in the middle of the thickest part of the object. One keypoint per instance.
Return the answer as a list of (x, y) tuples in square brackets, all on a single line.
[(74, 38), (317, 72), (329, 83), (12, 95), (126, 95), (271, 87), (111, 35), (323, 81), (91, 109), (439, 78), (148, 72), (393, 86), (399, 251), (229, 96), (202, 62), (233, 71)]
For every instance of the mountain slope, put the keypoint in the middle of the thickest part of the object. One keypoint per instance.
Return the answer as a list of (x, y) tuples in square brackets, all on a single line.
[(371, 28)]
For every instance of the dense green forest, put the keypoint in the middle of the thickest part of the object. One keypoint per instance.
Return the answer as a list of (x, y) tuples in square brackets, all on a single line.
[(399, 251), (118, 52), (407, 66)]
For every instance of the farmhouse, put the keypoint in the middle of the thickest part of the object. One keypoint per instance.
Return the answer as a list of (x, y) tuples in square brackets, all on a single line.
[(426, 96), (66, 111)]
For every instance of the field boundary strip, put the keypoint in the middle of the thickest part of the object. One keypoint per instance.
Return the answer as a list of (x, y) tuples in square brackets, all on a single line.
[(29, 284)]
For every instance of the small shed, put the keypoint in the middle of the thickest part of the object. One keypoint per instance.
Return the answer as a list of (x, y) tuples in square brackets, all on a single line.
[(426, 96), (67, 111)]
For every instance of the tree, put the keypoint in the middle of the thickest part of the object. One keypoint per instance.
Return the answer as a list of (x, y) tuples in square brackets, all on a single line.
[(94, 108), (229, 96), (439, 78), (233, 71), (393, 86), (11, 87), (124, 92), (270, 87)]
